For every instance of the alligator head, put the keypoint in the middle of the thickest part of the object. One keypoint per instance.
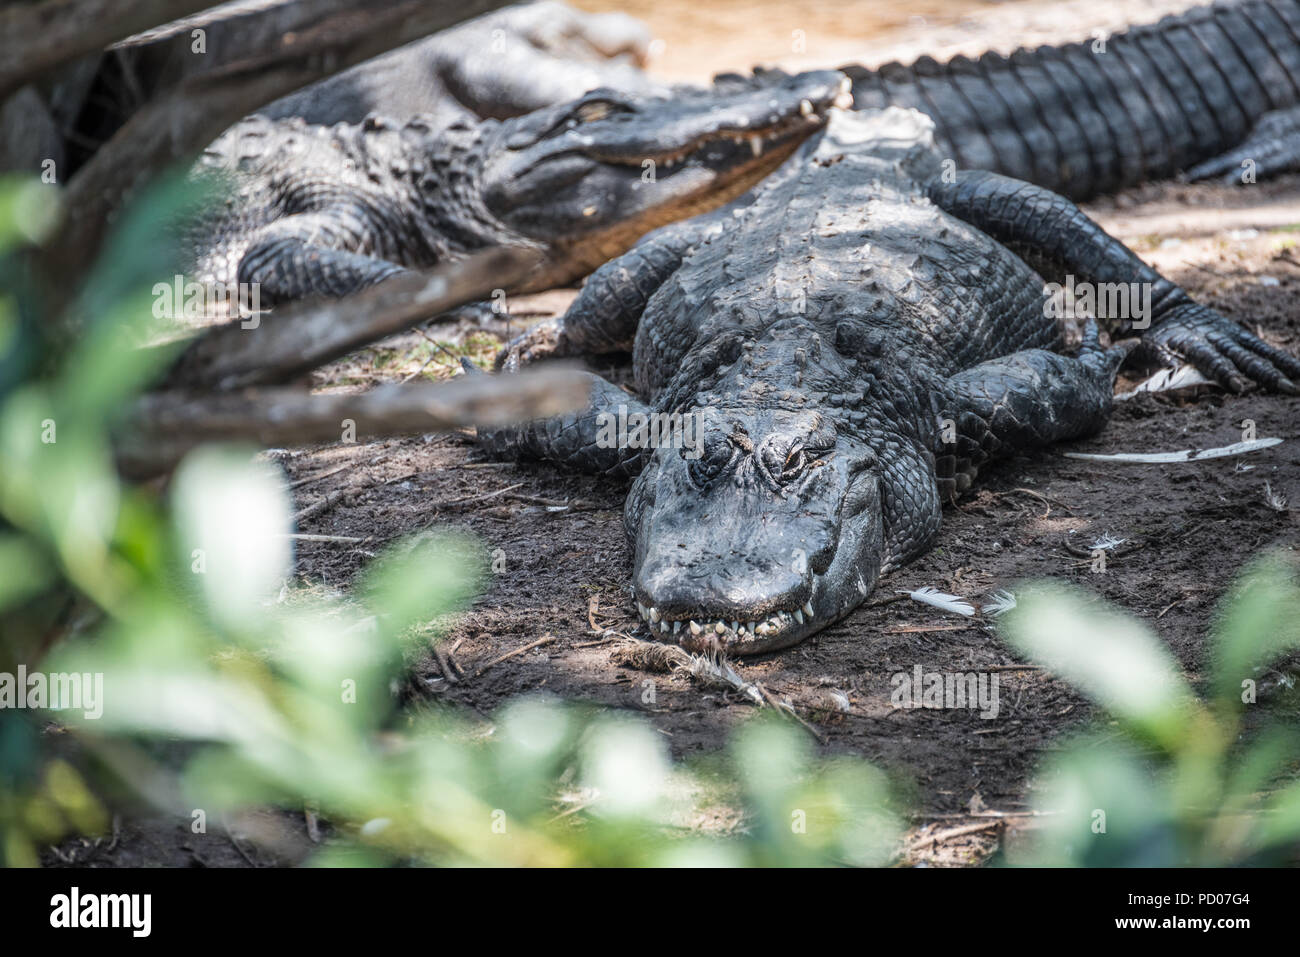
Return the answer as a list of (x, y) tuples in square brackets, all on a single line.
[(767, 530), (588, 178)]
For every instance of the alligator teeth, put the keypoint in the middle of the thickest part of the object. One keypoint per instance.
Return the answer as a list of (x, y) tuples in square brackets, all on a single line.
[(677, 626), (654, 615), (663, 627), (756, 145), (719, 627), (695, 628), (844, 99), (807, 609), (805, 107), (798, 616)]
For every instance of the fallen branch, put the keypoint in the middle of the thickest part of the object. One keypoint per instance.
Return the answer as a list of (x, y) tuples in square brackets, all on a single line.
[(34, 37), (162, 426), (289, 343)]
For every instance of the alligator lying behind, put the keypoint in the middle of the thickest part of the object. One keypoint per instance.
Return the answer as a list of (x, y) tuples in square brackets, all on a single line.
[(850, 347), (328, 211), (1202, 92)]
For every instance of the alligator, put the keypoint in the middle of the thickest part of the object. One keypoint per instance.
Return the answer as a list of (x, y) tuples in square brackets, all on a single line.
[(1213, 93), (818, 370), (315, 210)]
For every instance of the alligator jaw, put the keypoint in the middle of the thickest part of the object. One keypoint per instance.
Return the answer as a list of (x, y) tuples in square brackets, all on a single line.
[(754, 156), (704, 632), (587, 180)]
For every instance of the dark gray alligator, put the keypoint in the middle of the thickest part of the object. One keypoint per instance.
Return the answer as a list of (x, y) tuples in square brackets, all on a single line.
[(327, 211), (823, 367), (1202, 92)]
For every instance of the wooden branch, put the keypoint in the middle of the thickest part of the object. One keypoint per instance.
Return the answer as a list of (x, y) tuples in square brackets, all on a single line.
[(34, 37), (174, 128), (162, 426), (285, 345)]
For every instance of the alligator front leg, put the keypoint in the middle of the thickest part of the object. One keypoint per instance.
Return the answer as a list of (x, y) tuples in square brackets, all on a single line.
[(1026, 400), (599, 439), (312, 254), (1057, 239), (1272, 148), (605, 315)]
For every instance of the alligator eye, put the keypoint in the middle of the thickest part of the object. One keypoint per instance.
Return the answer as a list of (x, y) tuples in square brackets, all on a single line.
[(715, 460), (590, 112), (800, 460), (593, 110)]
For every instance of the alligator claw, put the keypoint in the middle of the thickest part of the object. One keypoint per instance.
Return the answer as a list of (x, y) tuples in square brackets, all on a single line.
[(1221, 350)]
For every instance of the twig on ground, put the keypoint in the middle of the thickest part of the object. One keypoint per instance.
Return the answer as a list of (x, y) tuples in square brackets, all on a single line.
[(916, 629), (788, 710), (544, 640), (474, 499), (324, 504), (955, 832)]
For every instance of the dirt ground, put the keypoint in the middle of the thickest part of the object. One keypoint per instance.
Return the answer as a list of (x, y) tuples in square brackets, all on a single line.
[(567, 566)]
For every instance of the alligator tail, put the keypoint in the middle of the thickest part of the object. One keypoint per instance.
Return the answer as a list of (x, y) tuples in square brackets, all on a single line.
[(1103, 114)]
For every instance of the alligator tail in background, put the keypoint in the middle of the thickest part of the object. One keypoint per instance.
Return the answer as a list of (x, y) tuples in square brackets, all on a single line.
[(1100, 115)]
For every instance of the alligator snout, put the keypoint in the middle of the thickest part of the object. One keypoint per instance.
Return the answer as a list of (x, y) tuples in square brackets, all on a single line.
[(772, 533), (721, 598)]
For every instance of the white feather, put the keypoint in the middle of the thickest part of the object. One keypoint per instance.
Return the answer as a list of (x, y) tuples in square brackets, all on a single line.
[(999, 603), (1187, 455), (1167, 380), (937, 599)]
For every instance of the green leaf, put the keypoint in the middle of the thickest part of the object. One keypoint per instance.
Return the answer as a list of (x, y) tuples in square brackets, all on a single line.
[(1260, 622), (1107, 655), (420, 579), (232, 520)]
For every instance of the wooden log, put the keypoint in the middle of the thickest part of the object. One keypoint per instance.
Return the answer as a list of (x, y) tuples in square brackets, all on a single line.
[(35, 37), (284, 345), (162, 426)]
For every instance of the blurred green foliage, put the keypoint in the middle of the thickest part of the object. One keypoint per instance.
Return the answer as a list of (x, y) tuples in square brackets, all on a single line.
[(1175, 778), (235, 690)]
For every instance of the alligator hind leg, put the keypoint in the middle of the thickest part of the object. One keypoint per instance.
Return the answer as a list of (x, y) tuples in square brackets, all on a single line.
[(1057, 239), (312, 254), (605, 315), (1272, 148), (1026, 400), (594, 439)]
